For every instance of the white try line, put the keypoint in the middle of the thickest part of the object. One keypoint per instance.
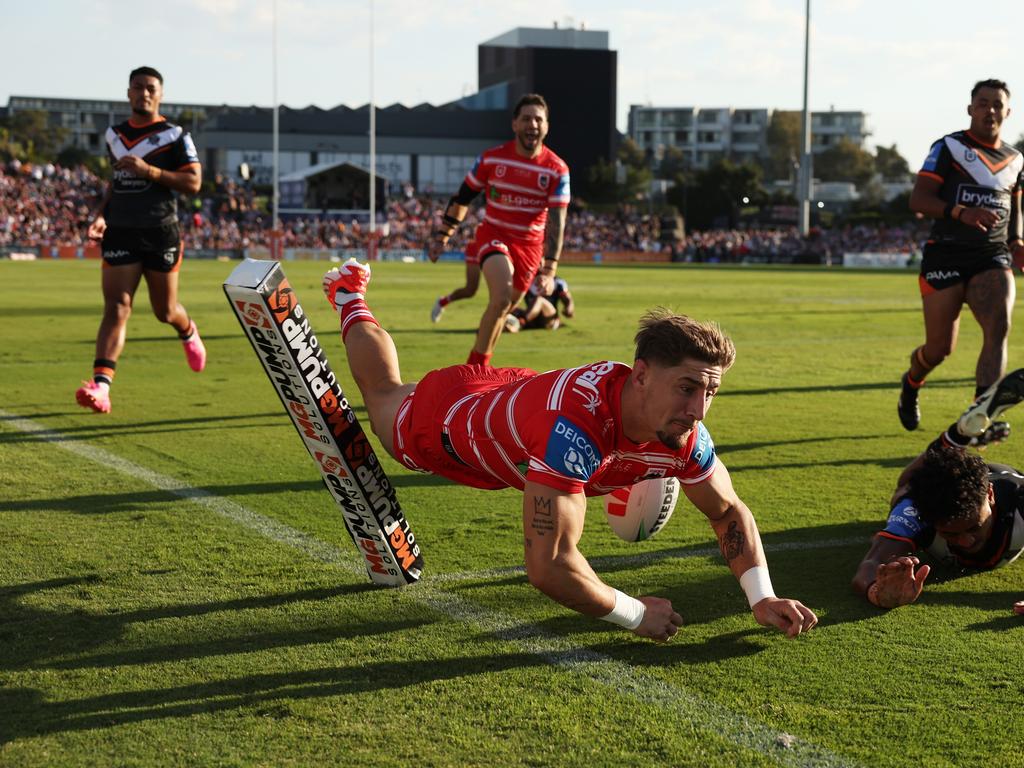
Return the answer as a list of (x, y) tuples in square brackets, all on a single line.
[(618, 676)]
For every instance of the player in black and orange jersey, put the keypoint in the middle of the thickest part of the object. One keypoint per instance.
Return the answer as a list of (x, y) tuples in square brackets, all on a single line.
[(137, 221), (968, 515), (541, 311), (971, 185)]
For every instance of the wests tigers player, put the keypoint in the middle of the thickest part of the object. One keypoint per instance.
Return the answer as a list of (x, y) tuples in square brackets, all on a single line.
[(567, 434), (137, 221), (526, 187), (971, 185)]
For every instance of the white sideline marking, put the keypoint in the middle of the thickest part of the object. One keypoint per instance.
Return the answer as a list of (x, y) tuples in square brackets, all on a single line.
[(618, 676)]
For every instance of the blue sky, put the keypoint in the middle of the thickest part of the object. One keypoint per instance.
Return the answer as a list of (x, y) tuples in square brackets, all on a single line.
[(909, 64)]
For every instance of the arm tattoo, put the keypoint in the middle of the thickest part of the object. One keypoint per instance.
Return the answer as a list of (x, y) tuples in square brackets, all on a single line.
[(542, 515), (555, 233), (731, 542)]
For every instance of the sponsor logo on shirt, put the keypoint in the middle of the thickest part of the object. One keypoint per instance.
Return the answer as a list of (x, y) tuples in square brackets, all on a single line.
[(975, 196), (500, 171), (570, 451), (904, 521)]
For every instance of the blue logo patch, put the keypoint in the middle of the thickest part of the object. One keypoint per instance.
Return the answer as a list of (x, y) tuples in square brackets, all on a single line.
[(703, 453), (570, 451), (932, 161), (562, 188), (904, 522)]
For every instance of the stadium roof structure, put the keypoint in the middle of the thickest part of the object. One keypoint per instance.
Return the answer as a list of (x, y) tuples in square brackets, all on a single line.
[(422, 120)]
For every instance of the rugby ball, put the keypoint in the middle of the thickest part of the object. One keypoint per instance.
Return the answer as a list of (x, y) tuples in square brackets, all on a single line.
[(639, 511)]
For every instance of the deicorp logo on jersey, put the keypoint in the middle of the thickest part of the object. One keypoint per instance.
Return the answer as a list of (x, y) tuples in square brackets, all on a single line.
[(285, 344)]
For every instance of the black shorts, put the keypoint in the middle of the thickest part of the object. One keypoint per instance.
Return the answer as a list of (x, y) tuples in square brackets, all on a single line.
[(158, 249), (943, 267)]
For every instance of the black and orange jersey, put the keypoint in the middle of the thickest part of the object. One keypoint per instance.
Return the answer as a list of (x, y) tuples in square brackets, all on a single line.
[(976, 175), (1004, 545), (136, 202)]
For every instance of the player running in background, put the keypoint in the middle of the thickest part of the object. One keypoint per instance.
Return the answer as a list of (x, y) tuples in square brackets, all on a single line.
[(137, 221), (526, 187), (963, 512), (567, 434), (971, 185), (541, 311)]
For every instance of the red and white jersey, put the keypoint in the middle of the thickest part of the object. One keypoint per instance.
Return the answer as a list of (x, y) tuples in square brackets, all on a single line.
[(519, 190), (562, 429)]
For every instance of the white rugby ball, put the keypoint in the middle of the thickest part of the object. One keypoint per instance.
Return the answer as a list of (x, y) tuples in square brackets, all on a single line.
[(639, 511)]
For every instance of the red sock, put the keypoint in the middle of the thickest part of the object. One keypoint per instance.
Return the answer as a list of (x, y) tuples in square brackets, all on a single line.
[(354, 311), (478, 358), (444, 301)]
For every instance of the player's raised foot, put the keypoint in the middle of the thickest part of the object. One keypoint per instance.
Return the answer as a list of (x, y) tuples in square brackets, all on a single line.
[(907, 408), (1004, 394), (91, 395), (511, 323), (195, 351), (346, 282), (436, 311), (997, 432)]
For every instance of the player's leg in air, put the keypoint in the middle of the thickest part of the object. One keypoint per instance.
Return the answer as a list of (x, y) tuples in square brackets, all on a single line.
[(978, 425), (990, 295), (941, 325), (163, 298), (372, 356), (467, 291), (119, 285), (498, 271)]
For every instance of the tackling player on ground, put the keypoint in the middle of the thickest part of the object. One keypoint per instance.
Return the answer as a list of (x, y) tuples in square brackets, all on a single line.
[(541, 311), (526, 186), (567, 434), (949, 502), (137, 221), (971, 185)]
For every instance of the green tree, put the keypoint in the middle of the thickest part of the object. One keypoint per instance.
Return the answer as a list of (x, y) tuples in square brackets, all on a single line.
[(890, 164), (673, 164), (716, 196), (782, 138), (31, 137), (845, 161)]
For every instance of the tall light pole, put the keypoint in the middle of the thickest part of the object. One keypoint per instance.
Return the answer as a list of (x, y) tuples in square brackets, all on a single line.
[(373, 139), (276, 198), (806, 161)]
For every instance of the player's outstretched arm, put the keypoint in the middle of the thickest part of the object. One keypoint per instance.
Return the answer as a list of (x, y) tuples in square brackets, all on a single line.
[(886, 576), (552, 526), (740, 542)]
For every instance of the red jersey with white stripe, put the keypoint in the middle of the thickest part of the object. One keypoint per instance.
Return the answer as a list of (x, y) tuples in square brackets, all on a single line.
[(498, 428), (519, 190)]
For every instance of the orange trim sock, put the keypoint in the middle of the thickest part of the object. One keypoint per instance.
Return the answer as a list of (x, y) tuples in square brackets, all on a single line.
[(478, 358)]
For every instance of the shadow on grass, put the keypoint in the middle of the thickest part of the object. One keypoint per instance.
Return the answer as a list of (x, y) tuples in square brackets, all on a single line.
[(104, 427), (34, 637), (893, 385), (268, 694)]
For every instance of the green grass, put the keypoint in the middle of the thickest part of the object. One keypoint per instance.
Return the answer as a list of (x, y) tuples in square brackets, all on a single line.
[(139, 627)]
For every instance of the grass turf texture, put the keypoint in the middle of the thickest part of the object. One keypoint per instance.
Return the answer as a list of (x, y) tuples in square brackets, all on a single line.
[(139, 628)]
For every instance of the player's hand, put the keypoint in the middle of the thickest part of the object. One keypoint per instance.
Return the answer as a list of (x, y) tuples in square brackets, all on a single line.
[(434, 249), (660, 622), (896, 583), (1018, 607), (545, 283), (134, 165), (789, 616), (979, 218), (97, 228)]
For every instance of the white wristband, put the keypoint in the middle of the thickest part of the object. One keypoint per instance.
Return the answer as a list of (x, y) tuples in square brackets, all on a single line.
[(757, 584), (628, 611)]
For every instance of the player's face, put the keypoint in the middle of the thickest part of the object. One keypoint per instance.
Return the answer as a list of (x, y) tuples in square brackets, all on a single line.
[(988, 109), (530, 127), (676, 398), (972, 534), (144, 95)]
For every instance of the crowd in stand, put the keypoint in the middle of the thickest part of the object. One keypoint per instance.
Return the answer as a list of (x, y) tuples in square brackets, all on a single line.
[(50, 205)]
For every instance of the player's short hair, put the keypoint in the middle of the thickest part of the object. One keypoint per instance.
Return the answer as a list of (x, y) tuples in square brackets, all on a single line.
[(998, 85), (667, 339), (951, 484), (531, 98), (148, 72)]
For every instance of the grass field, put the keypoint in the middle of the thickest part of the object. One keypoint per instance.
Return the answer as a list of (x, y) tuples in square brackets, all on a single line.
[(176, 587)]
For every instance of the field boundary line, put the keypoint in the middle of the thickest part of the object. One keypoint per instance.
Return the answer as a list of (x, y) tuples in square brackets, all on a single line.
[(623, 679)]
